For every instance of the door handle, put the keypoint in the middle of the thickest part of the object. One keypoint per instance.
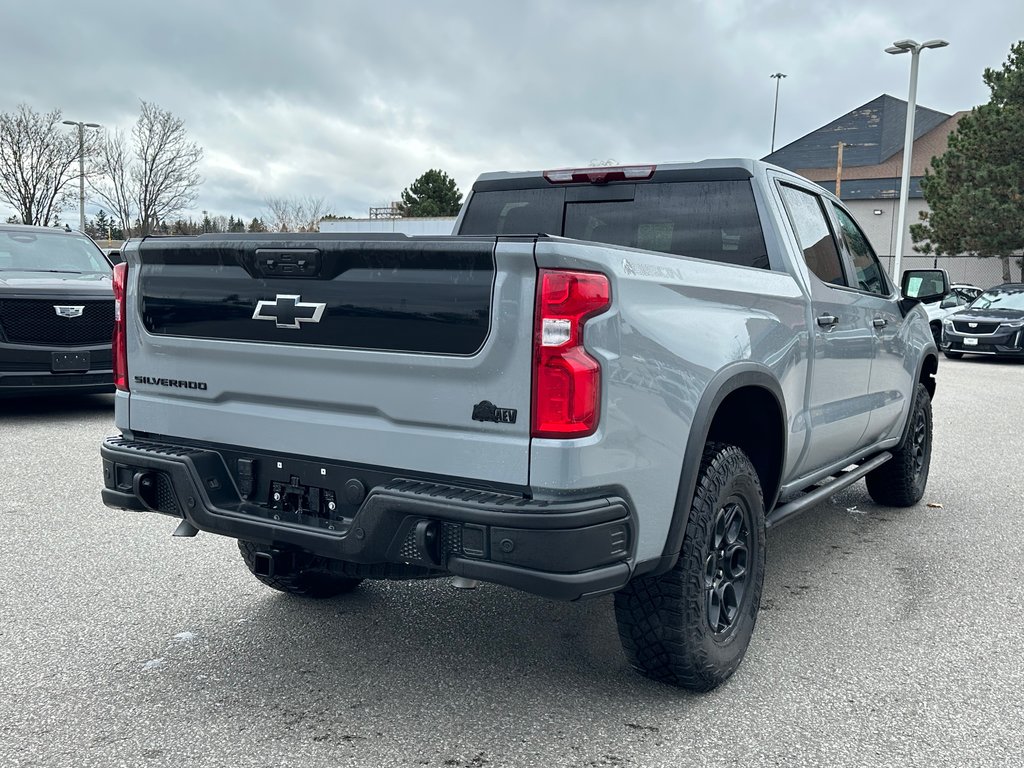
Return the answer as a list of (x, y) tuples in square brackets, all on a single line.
[(827, 321), (879, 322)]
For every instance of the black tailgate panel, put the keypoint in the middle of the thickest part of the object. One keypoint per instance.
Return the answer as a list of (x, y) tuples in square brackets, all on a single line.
[(430, 295)]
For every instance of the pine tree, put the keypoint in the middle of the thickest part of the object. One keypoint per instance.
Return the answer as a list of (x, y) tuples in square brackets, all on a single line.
[(103, 224), (975, 191), (432, 194)]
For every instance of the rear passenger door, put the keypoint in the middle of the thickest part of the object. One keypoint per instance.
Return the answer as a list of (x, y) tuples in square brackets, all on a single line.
[(893, 370), (842, 342)]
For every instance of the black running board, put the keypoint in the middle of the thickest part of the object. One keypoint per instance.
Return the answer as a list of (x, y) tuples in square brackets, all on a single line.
[(819, 494)]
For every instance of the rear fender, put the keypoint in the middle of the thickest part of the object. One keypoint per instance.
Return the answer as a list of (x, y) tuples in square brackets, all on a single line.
[(725, 382)]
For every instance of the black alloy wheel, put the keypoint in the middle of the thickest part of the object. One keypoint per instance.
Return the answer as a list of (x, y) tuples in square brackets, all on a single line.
[(726, 575), (920, 444)]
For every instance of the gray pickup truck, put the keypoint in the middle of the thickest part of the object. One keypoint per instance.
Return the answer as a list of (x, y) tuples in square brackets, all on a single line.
[(612, 380)]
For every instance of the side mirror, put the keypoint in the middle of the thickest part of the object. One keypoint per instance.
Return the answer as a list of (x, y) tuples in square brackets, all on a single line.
[(924, 284), (949, 302)]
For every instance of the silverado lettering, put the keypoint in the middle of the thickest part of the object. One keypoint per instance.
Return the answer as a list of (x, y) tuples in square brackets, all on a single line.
[(178, 383)]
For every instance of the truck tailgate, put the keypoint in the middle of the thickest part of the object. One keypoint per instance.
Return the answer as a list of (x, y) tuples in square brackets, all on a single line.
[(388, 352)]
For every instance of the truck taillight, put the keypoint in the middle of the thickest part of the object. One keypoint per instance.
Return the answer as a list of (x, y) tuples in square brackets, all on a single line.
[(566, 379), (120, 345)]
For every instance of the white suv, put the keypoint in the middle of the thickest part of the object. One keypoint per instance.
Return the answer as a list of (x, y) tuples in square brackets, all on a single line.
[(960, 296)]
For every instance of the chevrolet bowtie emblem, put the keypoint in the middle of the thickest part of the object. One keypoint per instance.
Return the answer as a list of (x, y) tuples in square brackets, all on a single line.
[(289, 311), (68, 311)]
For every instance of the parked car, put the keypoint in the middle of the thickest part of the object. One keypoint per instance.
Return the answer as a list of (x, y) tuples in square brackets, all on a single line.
[(960, 296), (992, 325), (56, 312), (690, 354)]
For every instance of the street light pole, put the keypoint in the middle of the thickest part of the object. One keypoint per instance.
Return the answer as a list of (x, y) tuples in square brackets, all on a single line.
[(81, 168), (778, 80), (914, 49)]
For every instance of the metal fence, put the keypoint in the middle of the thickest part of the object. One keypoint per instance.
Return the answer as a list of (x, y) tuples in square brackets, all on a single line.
[(983, 273)]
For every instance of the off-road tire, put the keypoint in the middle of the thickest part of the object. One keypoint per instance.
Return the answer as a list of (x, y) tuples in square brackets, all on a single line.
[(953, 355), (307, 575), (665, 620), (901, 481)]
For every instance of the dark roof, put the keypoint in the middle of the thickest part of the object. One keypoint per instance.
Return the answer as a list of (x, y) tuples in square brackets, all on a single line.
[(873, 153), (883, 180), (873, 133)]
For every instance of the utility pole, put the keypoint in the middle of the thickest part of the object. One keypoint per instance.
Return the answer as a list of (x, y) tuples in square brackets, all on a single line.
[(81, 168), (778, 79), (839, 168)]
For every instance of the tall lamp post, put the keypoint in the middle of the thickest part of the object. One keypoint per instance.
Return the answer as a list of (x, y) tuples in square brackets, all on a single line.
[(81, 168), (914, 48), (778, 80)]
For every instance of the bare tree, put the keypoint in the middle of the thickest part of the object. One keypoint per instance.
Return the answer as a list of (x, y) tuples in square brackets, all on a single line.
[(38, 162), (278, 216), (112, 181), (166, 173), (294, 214), (154, 175)]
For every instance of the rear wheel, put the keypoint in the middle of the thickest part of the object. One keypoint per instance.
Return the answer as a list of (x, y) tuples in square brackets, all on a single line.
[(692, 625), (294, 572), (901, 481)]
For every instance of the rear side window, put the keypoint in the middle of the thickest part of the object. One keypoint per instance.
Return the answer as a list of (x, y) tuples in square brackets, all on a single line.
[(713, 220), (815, 237)]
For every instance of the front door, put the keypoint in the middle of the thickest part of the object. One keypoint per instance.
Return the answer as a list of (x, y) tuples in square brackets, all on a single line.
[(893, 370), (842, 340)]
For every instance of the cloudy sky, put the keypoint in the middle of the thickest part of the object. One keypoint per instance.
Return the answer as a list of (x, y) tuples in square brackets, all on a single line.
[(351, 101)]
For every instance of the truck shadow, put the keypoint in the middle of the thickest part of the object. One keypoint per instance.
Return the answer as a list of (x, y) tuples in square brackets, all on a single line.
[(433, 642), (422, 663), (55, 405)]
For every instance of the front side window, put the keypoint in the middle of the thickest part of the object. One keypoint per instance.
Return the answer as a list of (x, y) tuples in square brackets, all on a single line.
[(869, 273), (966, 295), (815, 237)]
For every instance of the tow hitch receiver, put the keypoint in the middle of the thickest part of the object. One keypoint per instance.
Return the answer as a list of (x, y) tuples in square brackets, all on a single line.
[(273, 562), (263, 564)]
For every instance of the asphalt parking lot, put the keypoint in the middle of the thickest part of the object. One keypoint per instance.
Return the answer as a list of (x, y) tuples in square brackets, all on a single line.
[(887, 637)]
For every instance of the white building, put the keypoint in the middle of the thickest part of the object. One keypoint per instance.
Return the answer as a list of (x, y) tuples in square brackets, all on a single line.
[(425, 226)]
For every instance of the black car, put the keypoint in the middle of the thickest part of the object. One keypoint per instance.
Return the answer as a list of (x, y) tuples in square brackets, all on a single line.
[(56, 312), (992, 325)]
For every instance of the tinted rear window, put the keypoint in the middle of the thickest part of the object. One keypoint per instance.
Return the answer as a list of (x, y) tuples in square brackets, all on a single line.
[(515, 212), (713, 220)]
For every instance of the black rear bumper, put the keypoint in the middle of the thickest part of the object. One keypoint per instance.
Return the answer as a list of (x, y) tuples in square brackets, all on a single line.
[(565, 549)]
